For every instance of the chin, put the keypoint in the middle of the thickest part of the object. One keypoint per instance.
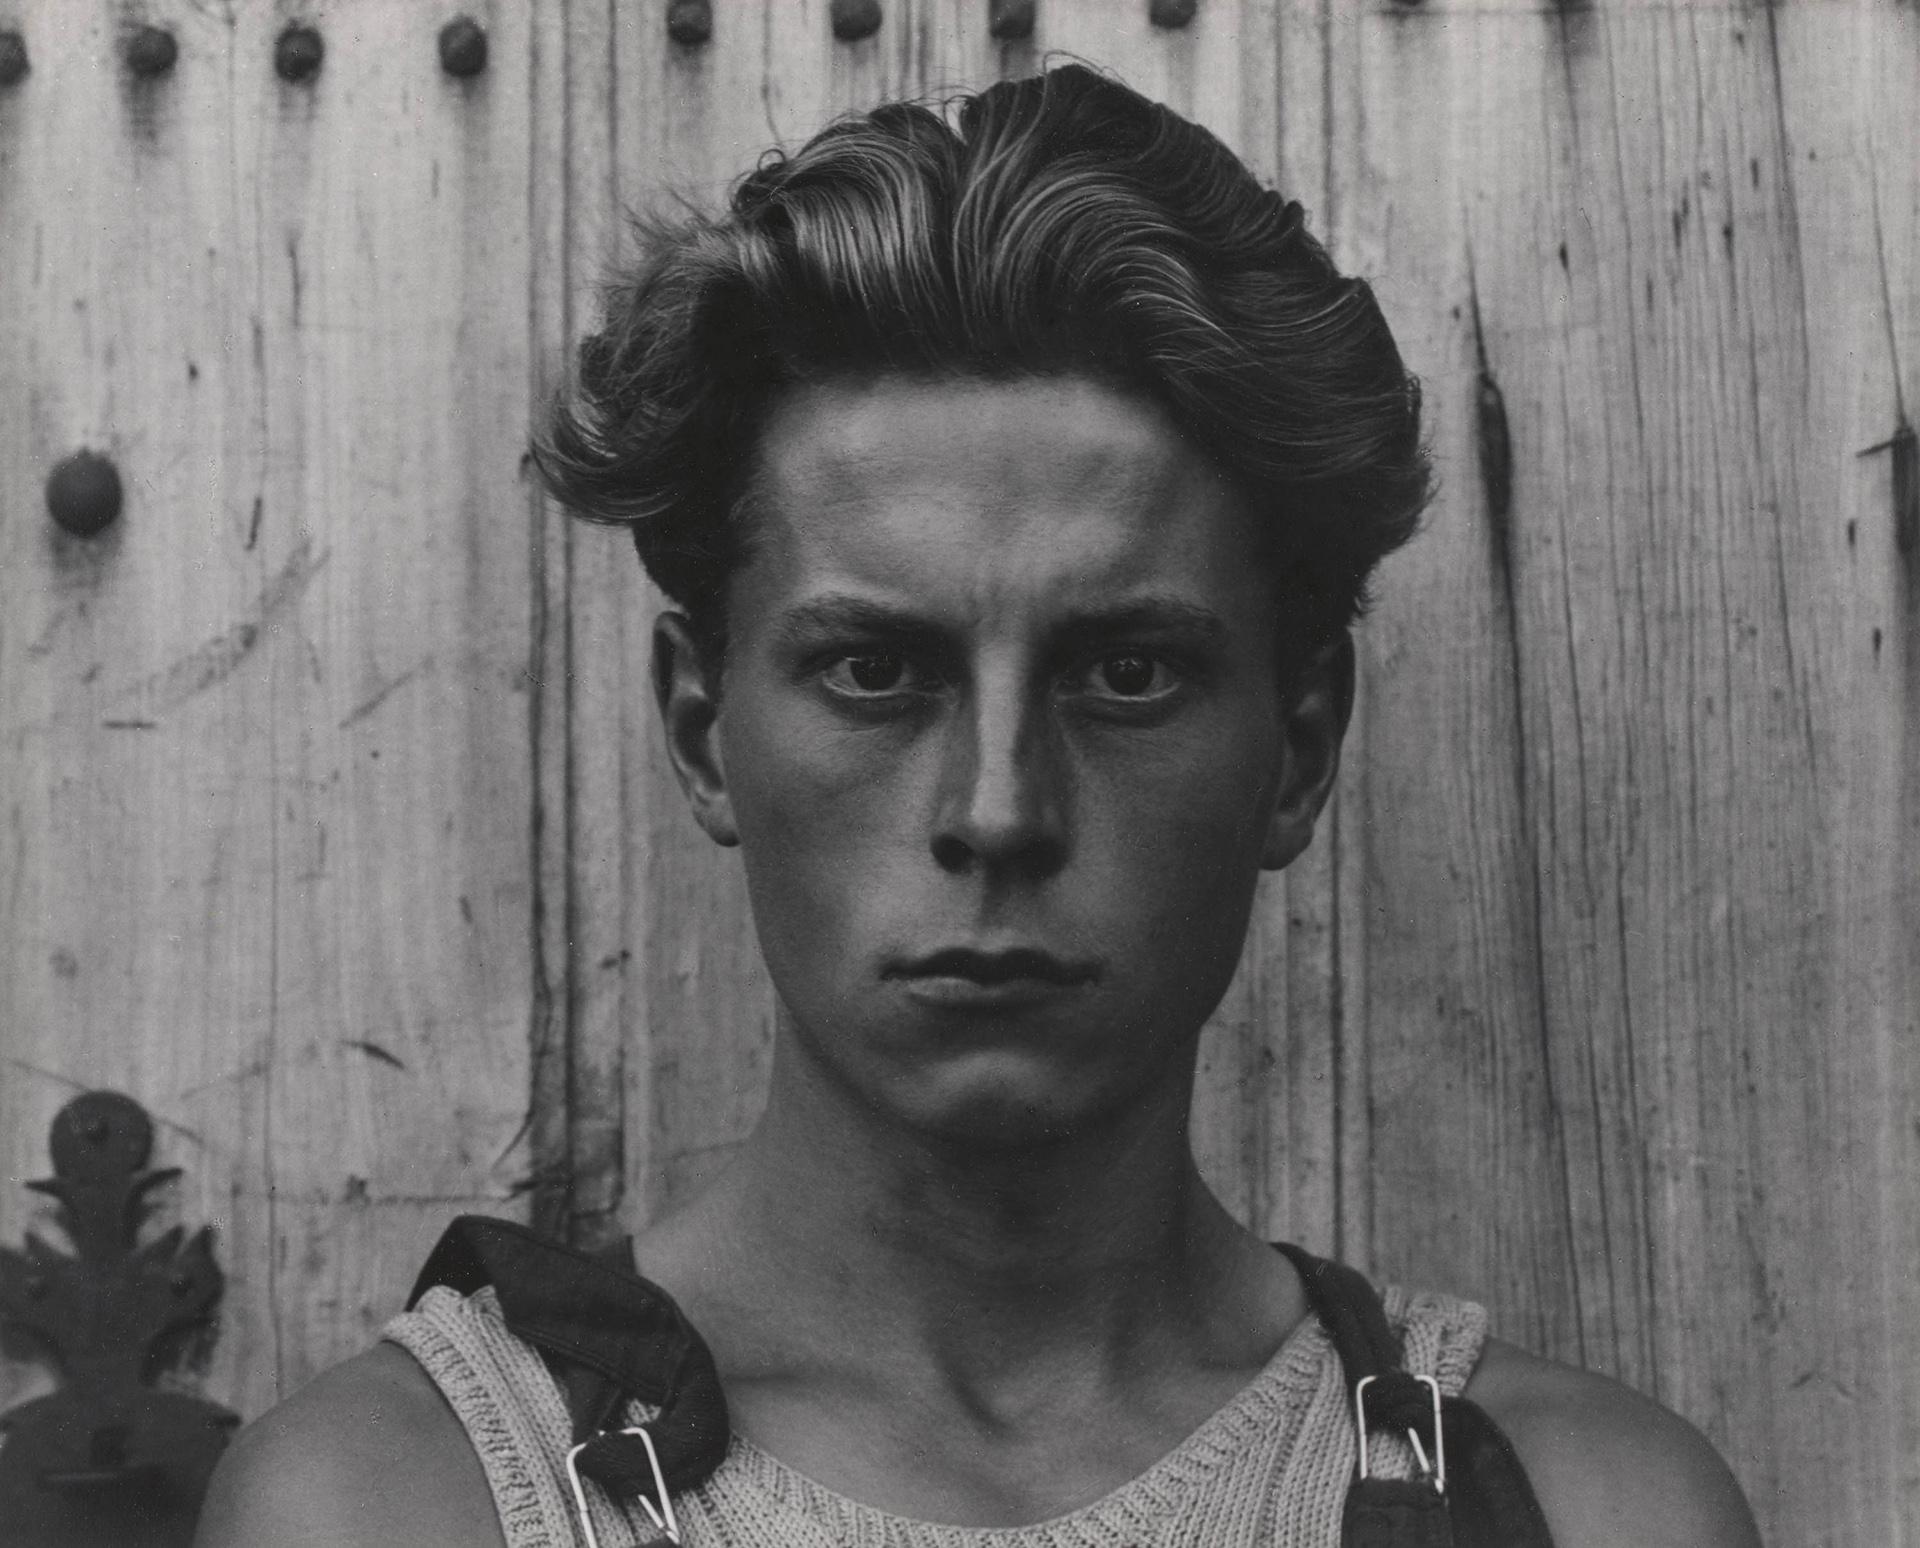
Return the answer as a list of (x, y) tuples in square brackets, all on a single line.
[(1008, 1106)]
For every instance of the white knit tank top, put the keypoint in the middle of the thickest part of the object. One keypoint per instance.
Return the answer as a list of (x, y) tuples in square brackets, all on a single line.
[(1269, 1470)]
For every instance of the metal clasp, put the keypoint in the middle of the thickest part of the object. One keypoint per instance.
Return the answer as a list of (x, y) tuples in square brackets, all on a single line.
[(1434, 1468), (663, 1517)]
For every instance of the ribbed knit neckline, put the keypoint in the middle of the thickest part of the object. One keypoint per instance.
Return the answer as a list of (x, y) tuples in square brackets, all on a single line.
[(1270, 1409)]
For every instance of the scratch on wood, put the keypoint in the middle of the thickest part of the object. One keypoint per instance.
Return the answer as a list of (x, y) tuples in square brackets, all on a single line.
[(80, 1085), (1788, 192), (45, 1074), (207, 665), (1495, 438), (1903, 446), (374, 1051), (293, 267), (250, 1071), (386, 691)]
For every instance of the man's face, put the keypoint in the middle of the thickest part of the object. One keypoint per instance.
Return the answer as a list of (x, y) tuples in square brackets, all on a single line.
[(1002, 737)]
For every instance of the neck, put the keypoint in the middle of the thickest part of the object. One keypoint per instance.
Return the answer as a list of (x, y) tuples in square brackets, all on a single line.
[(1099, 1247)]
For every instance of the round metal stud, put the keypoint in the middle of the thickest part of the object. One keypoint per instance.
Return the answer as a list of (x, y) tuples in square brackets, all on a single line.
[(151, 52), (1171, 14), (83, 494), (13, 58), (1011, 20), (297, 53), (690, 22), (855, 19), (463, 48)]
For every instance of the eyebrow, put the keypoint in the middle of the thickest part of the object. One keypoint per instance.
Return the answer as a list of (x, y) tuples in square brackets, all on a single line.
[(837, 614), (1150, 615)]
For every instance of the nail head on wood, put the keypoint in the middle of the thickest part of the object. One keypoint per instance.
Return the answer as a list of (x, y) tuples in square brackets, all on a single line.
[(13, 58), (297, 53), (690, 22), (84, 494), (855, 19), (463, 48), (1172, 14), (1011, 20), (151, 52)]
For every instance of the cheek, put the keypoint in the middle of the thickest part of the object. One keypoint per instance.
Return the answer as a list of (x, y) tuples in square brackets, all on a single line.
[(1179, 844), (821, 818)]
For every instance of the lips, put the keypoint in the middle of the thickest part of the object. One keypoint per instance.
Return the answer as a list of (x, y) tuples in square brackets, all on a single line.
[(966, 976)]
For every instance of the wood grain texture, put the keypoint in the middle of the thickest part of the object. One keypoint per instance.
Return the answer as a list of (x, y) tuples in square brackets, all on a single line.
[(263, 746), (1640, 996), (338, 830)]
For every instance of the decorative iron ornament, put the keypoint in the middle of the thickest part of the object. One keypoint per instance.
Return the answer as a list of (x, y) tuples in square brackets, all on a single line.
[(108, 1457)]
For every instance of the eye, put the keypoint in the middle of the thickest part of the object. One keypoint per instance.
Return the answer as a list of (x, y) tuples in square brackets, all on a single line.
[(1130, 674), (868, 672)]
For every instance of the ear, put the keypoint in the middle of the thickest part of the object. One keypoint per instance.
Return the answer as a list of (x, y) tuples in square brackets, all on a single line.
[(687, 688), (1313, 723)]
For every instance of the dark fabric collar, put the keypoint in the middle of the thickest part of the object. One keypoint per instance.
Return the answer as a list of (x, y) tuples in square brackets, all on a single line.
[(593, 1315)]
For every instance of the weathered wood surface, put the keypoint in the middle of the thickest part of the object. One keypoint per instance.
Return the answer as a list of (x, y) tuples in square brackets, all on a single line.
[(1597, 997), (264, 751), (1640, 996)]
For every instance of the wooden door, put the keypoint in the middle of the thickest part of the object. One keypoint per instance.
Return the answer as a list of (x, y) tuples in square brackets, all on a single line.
[(337, 827)]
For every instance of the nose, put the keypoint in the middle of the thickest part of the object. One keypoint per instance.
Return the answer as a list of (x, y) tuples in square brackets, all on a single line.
[(1003, 798)]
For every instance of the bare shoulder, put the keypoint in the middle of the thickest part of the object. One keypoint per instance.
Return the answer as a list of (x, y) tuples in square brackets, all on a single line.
[(367, 1453), (1612, 1469)]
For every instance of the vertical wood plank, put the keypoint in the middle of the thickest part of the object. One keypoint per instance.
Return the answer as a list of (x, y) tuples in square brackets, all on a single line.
[(1838, 1414)]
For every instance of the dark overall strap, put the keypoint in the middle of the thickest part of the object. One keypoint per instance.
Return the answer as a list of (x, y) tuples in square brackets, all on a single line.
[(1489, 1503), (612, 1336)]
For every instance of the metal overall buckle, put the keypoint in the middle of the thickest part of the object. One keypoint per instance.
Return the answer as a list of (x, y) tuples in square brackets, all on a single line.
[(1433, 1470), (663, 1517)]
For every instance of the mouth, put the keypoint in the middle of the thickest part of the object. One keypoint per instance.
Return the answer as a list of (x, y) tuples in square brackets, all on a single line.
[(964, 976)]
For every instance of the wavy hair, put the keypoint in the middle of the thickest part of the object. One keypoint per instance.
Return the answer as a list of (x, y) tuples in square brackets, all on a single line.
[(1058, 224)]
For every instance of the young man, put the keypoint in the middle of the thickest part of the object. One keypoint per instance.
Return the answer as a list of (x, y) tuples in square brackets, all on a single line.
[(1016, 480)]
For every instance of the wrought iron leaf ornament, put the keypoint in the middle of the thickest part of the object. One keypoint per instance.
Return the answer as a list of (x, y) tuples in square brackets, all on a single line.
[(108, 1456)]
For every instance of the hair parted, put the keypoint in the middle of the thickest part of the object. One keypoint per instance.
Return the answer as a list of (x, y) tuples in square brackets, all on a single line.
[(1058, 224)]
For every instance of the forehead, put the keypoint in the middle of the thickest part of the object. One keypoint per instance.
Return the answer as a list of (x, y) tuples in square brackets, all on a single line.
[(990, 496)]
